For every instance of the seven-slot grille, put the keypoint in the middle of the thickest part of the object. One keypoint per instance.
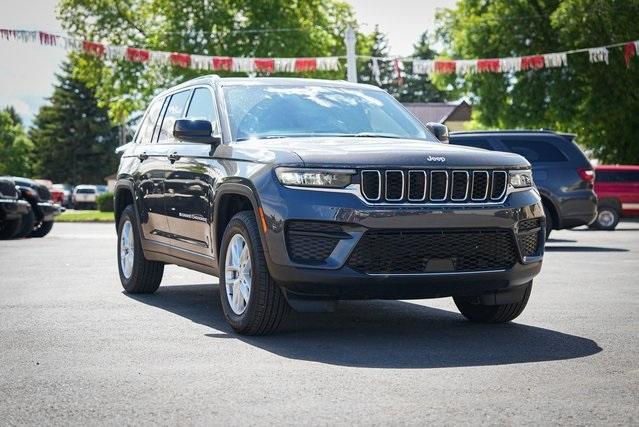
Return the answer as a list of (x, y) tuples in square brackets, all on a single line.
[(435, 186)]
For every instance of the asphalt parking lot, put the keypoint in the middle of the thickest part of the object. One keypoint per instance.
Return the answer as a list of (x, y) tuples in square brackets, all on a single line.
[(76, 350)]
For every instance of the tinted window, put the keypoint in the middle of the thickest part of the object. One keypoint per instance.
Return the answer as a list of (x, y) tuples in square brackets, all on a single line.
[(202, 106), (468, 142), (257, 111), (617, 176), (535, 151), (85, 191), (174, 111), (146, 129)]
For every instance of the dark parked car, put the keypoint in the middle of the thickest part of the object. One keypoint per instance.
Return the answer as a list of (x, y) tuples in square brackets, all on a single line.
[(561, 171), (617, 188), (302, 192), (12, 209), (39, 221)]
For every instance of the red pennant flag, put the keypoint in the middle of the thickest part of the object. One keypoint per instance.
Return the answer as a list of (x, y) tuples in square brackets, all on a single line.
[(488, 66), (533, 62), (444, 67), (93, 48), (628, 52), (180, 59), (222, 63), (137, 55), (264, 65), (305, 64)]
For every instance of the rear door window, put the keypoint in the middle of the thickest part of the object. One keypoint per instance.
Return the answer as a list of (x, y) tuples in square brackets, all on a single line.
[(174, 111), (535, 150), (471, 142)]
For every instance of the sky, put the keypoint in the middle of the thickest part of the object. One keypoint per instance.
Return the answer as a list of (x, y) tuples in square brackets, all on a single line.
[(27, 71)]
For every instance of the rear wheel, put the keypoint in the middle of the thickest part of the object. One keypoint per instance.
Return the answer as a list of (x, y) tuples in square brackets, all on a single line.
[(252, 302), (475, 311), (42, 230), (607, 218), (137, 274), (9, 228)]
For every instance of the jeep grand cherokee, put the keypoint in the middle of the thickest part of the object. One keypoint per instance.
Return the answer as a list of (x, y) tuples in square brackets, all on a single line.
[(299, 193)]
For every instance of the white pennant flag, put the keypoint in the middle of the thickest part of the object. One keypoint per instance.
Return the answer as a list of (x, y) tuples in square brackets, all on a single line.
[(375, 71), (201, 62), (466, 66), (329, 63), (555, 60), (115, 53), (423, 66), (285, 65), (243, 65), (71, 44), (510, 65), (159, 58), (598, 54)]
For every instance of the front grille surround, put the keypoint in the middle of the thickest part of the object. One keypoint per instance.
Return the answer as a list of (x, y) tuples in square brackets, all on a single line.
[(312, 242), (440, 186)]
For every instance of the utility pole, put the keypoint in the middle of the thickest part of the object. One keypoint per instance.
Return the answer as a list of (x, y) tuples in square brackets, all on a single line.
[(351, 55)]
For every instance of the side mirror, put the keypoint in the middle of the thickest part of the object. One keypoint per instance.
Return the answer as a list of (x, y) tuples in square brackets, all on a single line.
[(439, 130), (195, 130)]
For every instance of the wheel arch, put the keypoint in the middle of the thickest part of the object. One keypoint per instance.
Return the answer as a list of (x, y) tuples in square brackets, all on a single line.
[(123, 196), (550, 206)]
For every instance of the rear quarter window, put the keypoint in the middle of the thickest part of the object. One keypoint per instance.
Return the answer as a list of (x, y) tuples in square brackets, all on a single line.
[(617, 176), (535, 150)]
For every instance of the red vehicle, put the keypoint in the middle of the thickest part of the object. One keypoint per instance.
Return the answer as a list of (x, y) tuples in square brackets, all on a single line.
[(57, 196), (617, 189)]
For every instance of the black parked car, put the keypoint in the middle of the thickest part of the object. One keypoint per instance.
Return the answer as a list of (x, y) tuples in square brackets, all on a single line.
[(561, 171), (38, 222), (303, 192), (12, 209)]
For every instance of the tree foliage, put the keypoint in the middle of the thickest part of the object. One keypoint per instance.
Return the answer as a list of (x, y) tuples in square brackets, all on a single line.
[(73, 138), (419, 87), (15, 146), (596, 101), (276, 28)]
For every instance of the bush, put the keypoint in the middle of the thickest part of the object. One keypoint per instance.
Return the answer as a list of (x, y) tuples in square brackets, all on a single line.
[(105, 202)]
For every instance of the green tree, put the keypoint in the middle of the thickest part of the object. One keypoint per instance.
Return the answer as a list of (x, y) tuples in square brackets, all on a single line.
[(596, 101), (419, 87), (276, 28), (73, 137), (387, 77), (15, 146)]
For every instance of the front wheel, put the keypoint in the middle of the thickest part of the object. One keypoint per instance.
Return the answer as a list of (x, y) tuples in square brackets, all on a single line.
[(252, 302), (26, 225), (137, 274), (8, 229), (43, 229), (475, 311)]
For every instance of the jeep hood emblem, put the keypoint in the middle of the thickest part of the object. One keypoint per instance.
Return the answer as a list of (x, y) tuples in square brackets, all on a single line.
[(436, 159)]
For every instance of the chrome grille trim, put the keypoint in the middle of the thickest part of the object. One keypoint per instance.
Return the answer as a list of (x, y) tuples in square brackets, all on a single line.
[(475, 173), (430, 188), (492, 184), (410, 172), (453, 186), (401, 172), (379, 184)]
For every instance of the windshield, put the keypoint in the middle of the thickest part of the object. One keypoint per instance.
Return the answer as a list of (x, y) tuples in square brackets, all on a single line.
[(271, 111)]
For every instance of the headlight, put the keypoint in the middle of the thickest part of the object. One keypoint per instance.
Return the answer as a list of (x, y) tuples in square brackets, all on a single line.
[(521, 178), (329, 178)]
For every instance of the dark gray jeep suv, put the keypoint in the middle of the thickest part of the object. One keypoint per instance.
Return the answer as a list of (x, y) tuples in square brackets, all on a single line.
[(299, 193)]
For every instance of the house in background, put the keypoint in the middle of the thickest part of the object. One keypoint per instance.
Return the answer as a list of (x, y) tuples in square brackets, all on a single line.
[(452, 114)]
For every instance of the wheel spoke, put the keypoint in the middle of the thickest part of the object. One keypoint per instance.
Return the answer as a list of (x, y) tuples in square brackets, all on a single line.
[(237, 273)]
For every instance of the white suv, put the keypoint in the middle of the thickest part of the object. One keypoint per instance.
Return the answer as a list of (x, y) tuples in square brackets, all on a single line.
[(85, 197)]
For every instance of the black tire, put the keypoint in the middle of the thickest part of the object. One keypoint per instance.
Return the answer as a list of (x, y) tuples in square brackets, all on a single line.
[(9, 228), (267, 306), (44, 229), (550, 222), (27, 223), (145, 275), (477, 312), (607, 218)]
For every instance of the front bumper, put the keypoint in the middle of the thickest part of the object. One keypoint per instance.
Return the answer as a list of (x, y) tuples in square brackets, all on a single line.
[(13, 209), (333, 279), (49, 211)]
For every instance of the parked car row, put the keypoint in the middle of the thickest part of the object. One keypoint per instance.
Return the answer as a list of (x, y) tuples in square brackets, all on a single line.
[(27, 208)]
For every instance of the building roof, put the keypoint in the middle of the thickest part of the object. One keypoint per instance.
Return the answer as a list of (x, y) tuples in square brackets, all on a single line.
[(440, 112)]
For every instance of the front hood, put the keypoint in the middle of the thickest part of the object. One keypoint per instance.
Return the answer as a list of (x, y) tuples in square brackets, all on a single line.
[(381, 152)]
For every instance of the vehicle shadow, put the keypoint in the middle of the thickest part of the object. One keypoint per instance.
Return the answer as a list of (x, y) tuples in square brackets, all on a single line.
[(551, 240), (381, 334), (582, 249)]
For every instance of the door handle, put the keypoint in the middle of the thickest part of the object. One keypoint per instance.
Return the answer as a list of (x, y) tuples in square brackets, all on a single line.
[(143, 156), (173, 156)]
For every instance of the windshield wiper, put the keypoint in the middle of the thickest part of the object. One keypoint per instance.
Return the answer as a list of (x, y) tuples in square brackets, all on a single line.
[(369, 135), (262, 137)]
